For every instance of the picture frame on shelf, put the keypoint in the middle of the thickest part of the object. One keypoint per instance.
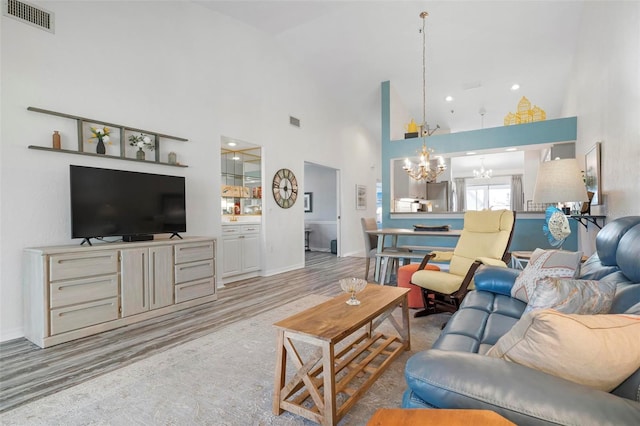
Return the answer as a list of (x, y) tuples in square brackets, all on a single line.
[(308, 202), (592, 174), (361, 197)]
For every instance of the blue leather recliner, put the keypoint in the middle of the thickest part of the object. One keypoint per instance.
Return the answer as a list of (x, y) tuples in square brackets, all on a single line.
[(455, 374)]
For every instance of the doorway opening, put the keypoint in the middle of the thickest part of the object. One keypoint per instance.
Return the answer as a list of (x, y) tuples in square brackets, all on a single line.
[(321, 208)]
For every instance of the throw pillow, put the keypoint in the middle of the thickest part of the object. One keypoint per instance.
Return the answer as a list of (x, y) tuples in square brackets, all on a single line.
[(545, 264), (572, 296), (598, 351)]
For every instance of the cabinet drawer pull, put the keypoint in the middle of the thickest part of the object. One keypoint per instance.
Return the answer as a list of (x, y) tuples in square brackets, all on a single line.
[(69, 312), (82, 259), (194, 247), (64, 286), (182, 268)]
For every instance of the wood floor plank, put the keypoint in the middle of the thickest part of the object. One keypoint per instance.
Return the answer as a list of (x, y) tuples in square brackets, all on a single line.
[(28, 373)]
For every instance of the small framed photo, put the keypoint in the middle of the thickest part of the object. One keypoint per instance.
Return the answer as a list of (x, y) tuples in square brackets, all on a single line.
[(592, 174), (361, 197), (308, 202)]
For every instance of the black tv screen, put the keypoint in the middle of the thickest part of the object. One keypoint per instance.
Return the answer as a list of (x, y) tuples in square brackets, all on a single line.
[(107, 203)]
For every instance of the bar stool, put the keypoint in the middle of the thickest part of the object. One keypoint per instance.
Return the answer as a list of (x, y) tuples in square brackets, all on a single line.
[(404, 280)]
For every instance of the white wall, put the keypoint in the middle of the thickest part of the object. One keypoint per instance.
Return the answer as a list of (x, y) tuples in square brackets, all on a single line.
[(172, 67), (605, 96)]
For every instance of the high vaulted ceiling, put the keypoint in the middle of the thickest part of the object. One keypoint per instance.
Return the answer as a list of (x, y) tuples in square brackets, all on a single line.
[(475, 50)]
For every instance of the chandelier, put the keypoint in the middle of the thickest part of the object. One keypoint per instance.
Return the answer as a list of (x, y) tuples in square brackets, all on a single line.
[(482, 173), (423, 171)]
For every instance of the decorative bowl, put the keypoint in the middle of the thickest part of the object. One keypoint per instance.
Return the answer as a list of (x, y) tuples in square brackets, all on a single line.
[(352, 286)]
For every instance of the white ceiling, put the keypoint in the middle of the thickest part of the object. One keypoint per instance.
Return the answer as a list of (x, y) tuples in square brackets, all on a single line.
[(476, 50)]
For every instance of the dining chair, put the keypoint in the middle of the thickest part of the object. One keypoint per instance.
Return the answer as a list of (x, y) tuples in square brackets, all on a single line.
[(484, 240), (370, 242), (391, 256)]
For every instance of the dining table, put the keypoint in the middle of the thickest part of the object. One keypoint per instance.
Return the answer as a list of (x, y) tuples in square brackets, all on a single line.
[(393, 248)]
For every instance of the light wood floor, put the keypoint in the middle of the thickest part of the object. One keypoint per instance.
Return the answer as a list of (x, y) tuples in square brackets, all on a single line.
[(28, 372)]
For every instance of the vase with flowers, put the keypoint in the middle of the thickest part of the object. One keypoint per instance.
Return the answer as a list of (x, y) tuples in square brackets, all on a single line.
[(142, 141), (101, 134)]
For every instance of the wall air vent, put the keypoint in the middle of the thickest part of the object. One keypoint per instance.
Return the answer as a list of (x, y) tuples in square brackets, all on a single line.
[(29, 14), (294, 121)]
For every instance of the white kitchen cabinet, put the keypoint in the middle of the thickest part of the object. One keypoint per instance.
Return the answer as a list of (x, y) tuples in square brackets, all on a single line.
[(240, 251)]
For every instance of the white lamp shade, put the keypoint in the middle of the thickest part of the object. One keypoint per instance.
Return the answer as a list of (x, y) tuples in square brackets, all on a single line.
[(560, 181)]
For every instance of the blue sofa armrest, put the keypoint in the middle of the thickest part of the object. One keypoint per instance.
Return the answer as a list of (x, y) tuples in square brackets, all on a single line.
[(459, 380), (495, 279)]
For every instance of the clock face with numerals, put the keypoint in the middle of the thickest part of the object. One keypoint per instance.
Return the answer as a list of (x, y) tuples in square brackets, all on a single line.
[(285, 188)]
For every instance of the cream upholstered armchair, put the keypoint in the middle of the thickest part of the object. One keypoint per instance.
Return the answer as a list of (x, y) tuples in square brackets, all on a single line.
[(485, 239)]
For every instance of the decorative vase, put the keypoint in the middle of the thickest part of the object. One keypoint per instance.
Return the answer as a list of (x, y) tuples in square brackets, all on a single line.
[(56, 140), (100, 149), (140, 154), (172, 158)]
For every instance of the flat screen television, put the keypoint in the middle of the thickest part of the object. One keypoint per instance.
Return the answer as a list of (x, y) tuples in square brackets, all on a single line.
[(107, 203)]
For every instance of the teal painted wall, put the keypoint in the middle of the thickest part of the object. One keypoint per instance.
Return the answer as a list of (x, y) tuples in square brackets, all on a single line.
[(528, 233)]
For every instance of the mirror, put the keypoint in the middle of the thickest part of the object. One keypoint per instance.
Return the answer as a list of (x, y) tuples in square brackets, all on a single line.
[(462, 186), (241, 178)]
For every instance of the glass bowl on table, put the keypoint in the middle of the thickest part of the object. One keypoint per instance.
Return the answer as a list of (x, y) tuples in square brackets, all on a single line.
[(352, 286)]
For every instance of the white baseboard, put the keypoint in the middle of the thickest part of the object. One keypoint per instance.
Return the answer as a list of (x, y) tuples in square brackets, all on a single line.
[(15, 333)]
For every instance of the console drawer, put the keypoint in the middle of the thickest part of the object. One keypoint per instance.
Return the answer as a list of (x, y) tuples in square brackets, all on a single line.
[(193, 271), (195, 289), (84, 290), (79, 316), (73, 265), (192, 252)]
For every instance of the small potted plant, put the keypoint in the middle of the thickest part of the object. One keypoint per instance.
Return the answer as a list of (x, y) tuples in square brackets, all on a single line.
[(142, 141)]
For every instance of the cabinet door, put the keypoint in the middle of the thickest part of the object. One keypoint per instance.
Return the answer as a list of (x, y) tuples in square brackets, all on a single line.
[(251, 252), (135, 281), (231, 256), (160, 277)]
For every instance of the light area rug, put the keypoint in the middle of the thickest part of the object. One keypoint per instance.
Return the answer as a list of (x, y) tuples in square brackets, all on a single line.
[(225, 378)]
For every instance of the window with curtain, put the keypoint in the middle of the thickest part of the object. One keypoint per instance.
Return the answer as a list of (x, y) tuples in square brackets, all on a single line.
[(487, 196)]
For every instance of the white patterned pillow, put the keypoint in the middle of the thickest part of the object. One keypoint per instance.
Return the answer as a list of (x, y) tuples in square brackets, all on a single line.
[(545, 264), (585, 297), (593, 350)]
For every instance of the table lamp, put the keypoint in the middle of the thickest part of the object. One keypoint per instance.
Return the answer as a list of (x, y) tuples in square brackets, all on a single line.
[(560, 181)]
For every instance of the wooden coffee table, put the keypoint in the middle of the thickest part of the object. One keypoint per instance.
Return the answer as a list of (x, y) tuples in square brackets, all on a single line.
[(349, 353)]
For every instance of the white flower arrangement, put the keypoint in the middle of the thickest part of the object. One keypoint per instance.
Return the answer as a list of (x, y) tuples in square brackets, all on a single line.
[(142, 141)]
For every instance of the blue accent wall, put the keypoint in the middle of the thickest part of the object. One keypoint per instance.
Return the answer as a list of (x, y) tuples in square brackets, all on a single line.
[(528, 233)]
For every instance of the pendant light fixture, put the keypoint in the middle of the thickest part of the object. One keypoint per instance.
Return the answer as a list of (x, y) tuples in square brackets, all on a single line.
[(423, 171)]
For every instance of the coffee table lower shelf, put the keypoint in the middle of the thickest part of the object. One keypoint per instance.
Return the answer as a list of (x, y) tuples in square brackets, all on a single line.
[(337, 372)]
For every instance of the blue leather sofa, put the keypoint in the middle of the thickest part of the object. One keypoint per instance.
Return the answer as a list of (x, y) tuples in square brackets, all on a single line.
[(455, 374)]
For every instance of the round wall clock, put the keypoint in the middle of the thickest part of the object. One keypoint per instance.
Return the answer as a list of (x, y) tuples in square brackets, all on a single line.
[(285, 188)]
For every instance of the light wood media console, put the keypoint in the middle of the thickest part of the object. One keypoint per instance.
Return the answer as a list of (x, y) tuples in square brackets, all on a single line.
[(71, 292)]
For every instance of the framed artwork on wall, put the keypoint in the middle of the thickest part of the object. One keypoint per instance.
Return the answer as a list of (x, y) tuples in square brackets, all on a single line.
[(592, 173), (361, 197), (308, 202)]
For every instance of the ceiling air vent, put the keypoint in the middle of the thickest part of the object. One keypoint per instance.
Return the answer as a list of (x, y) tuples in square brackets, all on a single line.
[(29, 14), (294, 121)]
